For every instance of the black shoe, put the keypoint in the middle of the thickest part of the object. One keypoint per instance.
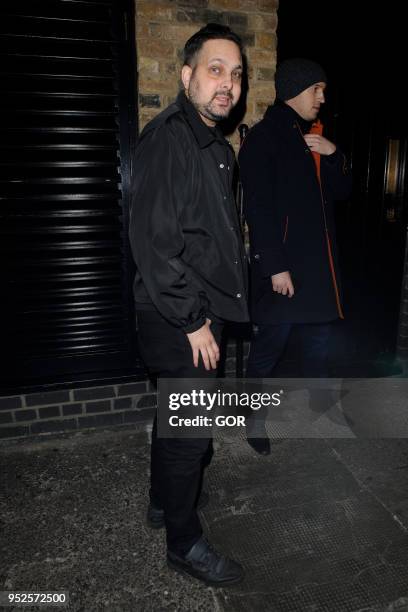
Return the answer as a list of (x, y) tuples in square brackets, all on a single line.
[(262, 446), (204, 563), (155, 516)]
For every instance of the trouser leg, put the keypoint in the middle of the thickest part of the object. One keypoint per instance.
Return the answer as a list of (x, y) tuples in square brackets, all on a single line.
[(176, 463), (267, 346), (314, 363), (314, 338)]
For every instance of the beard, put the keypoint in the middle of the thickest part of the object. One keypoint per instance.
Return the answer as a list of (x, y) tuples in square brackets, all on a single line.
[(208, 109)]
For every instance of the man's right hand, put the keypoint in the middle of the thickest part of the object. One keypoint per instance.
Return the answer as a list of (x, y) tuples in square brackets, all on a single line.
[(282, 283), (202, 341)]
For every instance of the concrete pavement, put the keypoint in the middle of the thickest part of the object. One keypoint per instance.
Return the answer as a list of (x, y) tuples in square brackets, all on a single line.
[(319, 525)]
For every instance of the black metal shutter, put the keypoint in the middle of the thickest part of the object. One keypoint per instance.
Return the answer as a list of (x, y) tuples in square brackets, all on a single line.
[(66, 135)]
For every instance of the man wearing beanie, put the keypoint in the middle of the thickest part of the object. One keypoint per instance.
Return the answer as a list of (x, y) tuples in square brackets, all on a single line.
[(290, 178)]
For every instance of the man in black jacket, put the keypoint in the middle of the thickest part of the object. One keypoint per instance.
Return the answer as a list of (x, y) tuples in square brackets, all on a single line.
[(191, 273), (290, 178)]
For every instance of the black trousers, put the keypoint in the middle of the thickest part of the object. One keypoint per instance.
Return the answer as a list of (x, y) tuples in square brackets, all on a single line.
[(267, 347), (269, 342), (176, 464)]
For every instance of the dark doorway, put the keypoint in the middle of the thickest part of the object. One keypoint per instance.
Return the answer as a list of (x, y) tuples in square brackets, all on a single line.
[(67, 131)]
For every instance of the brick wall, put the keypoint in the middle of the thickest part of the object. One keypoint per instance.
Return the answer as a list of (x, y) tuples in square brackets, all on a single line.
[(163, 26), (70, 409)]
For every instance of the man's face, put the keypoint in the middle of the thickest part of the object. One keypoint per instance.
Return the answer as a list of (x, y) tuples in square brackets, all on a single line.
[(213, 83), (307, 103)]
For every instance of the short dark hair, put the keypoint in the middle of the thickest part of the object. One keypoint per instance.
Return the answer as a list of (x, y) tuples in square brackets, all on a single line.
[(212, 31)]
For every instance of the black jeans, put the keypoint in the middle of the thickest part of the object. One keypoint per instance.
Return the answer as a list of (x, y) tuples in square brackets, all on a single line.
[(269, 342), (267, 347), (176, 464)]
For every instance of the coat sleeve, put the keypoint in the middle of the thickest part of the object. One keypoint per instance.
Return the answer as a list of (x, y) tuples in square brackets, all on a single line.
[(258, 178), (337, 175), (156, 236)]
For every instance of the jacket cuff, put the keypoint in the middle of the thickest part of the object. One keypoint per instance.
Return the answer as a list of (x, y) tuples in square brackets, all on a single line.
[(189, 329)]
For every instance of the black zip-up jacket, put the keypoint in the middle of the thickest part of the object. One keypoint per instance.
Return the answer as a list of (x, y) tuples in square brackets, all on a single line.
[(184, 231)]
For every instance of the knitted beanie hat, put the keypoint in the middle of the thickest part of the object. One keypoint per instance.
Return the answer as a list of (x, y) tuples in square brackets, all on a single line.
[(295, 75)]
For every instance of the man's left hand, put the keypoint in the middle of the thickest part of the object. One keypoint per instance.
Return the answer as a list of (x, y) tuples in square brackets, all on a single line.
[(203, 343), (319, 144)]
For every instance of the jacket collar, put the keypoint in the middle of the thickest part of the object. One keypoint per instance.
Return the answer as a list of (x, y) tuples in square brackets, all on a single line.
[(286, 113), (203, 134)]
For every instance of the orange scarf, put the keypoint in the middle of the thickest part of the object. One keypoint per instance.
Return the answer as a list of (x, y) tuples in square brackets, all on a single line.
[(317, 128)]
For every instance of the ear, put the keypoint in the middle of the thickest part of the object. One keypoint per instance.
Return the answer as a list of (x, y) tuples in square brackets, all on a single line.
[(186, 73)]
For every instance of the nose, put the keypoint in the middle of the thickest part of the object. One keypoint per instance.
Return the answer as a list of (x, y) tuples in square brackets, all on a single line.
[(227, 82)]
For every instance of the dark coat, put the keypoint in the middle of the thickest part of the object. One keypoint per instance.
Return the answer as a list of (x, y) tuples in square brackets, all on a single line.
[(287, 211), (184, 230)]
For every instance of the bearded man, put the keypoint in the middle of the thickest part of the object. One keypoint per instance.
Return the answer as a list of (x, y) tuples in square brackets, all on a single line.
[(191, 274)]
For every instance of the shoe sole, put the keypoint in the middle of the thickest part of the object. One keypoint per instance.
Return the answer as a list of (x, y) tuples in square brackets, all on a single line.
[(191, 573)]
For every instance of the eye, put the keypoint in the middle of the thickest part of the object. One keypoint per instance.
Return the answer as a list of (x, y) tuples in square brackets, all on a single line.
[(215, 70), (237, 75)]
